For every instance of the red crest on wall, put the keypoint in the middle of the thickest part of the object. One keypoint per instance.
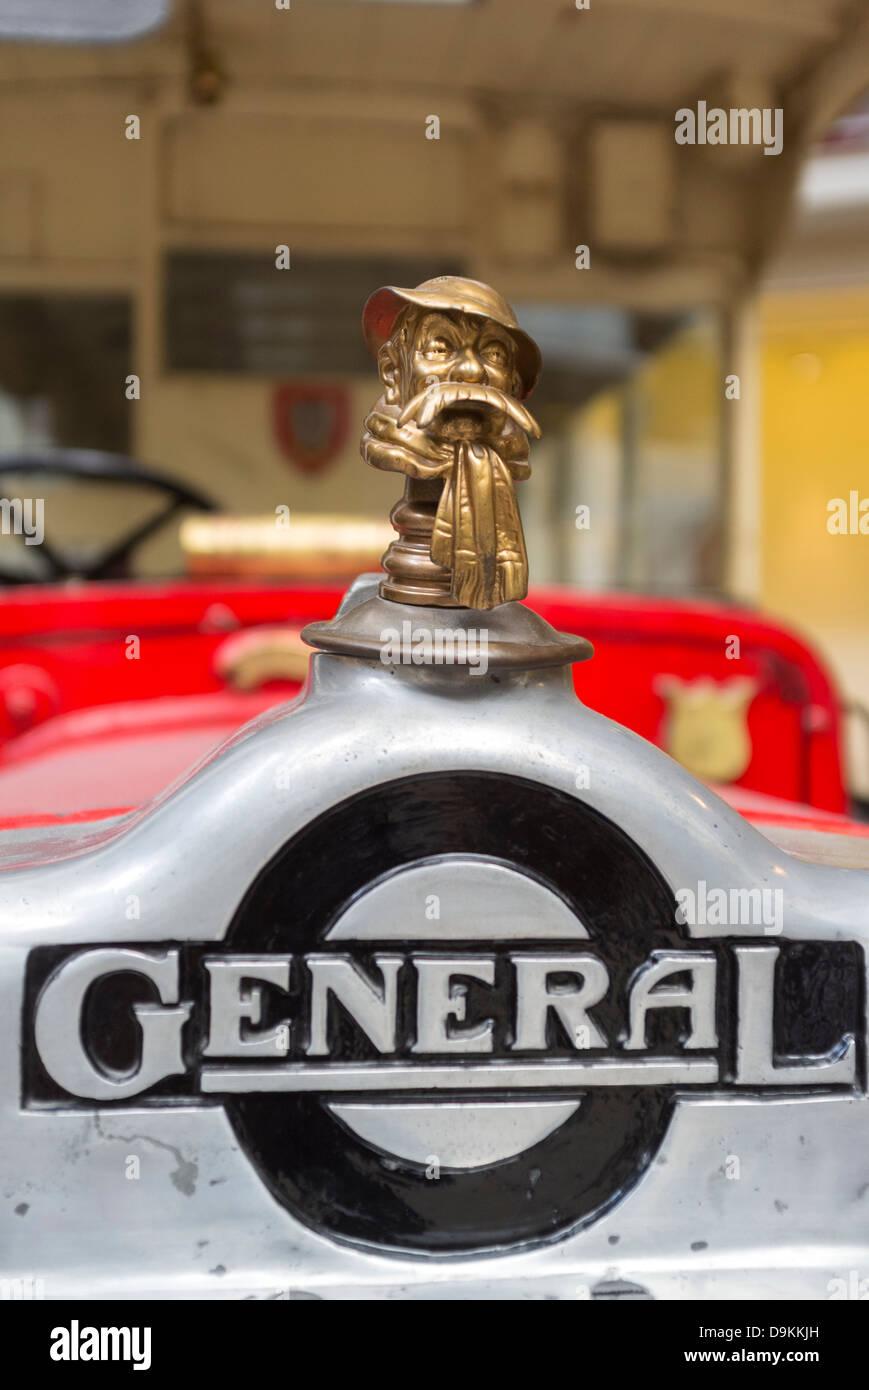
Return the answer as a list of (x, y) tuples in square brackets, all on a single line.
[(310, 422)]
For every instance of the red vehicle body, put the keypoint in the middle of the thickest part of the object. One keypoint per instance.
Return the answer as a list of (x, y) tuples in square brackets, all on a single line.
[(108, 690)]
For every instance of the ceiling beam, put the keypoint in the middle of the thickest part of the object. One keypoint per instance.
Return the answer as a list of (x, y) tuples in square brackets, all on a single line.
[(817, 19)]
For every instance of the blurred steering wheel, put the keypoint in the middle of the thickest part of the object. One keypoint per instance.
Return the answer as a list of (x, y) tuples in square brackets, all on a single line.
[(92, 466)]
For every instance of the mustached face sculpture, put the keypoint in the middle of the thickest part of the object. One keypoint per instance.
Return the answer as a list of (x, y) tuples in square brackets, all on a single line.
[(450, 412)]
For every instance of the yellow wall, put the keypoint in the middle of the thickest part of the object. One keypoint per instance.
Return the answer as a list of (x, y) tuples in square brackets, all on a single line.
[(815, 446)]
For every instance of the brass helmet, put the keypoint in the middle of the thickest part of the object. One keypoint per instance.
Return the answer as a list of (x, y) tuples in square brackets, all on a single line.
[(461, 295)]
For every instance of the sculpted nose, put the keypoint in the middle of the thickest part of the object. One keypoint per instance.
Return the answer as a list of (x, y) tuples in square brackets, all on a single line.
[(469, 367)]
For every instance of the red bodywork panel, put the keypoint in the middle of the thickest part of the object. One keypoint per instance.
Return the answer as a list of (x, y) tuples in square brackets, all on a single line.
[(62, 649), (112, 760)]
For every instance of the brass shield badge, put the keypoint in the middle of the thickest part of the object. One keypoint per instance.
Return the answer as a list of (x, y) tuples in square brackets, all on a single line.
[(706, 725)]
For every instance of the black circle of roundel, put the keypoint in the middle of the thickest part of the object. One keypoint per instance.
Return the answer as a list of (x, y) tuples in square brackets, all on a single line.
[(330, 1177)]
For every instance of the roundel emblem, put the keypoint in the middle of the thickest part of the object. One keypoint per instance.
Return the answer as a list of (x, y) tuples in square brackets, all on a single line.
[(466, 939), (453, 1013)]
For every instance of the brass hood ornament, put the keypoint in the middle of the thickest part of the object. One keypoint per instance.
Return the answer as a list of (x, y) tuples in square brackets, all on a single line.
[(454, 367)]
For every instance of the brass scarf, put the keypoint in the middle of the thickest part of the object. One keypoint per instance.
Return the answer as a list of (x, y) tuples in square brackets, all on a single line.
[(478, 531)]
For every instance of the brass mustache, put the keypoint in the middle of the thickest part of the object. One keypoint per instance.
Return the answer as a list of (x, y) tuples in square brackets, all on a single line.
[(430, 402)]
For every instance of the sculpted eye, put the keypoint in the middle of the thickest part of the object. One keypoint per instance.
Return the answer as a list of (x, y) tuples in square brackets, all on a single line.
[(437, 347), (495, 353)]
